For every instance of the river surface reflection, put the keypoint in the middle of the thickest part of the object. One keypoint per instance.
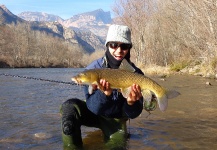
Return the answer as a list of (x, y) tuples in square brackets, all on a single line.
[(30, 116)]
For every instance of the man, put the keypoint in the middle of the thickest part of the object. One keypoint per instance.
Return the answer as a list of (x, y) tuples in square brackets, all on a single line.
[(106, 108)]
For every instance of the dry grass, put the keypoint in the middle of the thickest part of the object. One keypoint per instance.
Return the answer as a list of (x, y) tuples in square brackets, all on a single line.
[(157, 70), (88, 58)]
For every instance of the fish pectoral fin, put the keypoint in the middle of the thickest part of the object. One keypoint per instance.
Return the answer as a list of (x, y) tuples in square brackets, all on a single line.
[(172, 94), (90, 89), (125, 92)]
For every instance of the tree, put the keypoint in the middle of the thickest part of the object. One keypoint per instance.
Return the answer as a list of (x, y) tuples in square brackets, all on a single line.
[(20, 46), (165, 32)]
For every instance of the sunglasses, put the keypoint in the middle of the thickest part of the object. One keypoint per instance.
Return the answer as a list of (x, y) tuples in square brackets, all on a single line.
[(123, 46)]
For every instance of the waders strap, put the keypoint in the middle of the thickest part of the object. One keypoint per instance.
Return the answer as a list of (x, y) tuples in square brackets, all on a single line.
[(129, 125)]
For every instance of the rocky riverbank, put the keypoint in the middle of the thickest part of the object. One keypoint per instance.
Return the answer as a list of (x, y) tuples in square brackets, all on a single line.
[(197, 70), (202, 71)]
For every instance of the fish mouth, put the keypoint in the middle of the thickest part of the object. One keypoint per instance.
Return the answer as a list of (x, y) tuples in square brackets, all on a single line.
[(76, 80)]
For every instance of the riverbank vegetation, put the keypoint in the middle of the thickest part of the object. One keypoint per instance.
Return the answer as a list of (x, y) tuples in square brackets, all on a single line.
[(179, 35), (22, 47)]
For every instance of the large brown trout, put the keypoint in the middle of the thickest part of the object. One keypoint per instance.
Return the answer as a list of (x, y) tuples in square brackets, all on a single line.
[(123, 80)]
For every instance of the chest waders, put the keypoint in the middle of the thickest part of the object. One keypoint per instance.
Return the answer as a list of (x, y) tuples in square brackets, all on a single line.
[(75, 113)]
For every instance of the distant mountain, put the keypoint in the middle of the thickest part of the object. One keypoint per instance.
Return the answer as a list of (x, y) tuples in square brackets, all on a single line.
[(96, 21), (39, 16), (7, 17), (54, 25), (96, 17)]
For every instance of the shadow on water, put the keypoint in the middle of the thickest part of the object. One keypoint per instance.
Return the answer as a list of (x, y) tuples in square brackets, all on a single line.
[(30, 116)]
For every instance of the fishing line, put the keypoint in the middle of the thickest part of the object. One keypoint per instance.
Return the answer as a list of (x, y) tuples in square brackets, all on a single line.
[(38, 79)]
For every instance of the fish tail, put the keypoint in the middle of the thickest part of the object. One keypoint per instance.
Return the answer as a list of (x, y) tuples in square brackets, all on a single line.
[(163, 100), (172, 94)]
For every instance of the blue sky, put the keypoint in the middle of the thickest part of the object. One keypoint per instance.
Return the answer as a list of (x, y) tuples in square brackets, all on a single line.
[(63, 8)]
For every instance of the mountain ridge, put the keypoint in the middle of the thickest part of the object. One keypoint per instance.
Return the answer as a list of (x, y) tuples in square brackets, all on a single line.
[(96, 21), (85, 36), (11, 18)]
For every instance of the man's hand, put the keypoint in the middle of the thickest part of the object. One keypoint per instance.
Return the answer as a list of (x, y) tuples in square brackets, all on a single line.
[(104, 86), (135, 94)]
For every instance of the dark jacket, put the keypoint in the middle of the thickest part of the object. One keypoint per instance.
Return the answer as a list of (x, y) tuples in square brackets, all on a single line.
[(115, 105)]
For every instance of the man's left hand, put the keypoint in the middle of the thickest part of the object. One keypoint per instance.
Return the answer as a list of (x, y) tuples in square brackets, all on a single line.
[(135, 94)]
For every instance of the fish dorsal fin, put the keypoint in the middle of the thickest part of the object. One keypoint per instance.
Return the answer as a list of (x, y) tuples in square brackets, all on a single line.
[(125, 65)]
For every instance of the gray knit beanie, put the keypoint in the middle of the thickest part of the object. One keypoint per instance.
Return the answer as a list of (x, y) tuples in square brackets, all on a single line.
[(118, 33)]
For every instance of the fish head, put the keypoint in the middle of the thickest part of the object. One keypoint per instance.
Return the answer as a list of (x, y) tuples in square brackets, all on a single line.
[(86, 77)]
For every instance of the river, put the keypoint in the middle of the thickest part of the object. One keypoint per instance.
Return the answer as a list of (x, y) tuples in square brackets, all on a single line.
[(30, 119)]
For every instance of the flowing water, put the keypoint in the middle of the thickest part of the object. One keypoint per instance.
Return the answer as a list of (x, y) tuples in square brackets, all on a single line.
[(30, 119)]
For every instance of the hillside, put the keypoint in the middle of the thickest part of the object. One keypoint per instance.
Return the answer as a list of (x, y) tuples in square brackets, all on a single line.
[(96, 21), (41, 43), (90, 35), (7, 17)]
